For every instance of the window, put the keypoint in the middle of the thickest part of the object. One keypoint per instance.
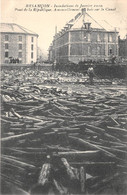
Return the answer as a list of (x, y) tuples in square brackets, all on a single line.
[(20, 54), (6, 54), (106, 37), (88, 37), (20, 38), (98, 37), (84, 36), (32, 47), (31, 62), (110, 38), (6, 38), (89, 50), (110, 51), (98, 50), (32, 39), (31, 54), (6, 45), (20, 46)]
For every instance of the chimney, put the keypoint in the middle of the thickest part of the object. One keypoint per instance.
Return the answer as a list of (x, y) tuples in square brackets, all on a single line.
[(55, 30), (83, 13)]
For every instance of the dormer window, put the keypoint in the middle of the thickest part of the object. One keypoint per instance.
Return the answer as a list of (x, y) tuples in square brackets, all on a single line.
[(70, 25), (86, 25)]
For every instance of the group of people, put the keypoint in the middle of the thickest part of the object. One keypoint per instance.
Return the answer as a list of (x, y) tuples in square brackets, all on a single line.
[(14, 60)]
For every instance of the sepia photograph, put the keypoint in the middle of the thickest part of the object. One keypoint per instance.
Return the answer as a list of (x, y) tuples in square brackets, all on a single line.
[(63, 97)]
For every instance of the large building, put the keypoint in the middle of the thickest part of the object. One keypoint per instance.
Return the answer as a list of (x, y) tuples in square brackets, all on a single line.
[(18, 44), (84, 39)]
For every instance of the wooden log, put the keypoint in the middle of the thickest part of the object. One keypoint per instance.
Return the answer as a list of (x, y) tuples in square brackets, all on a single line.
[(42, 99), (7, 165), (88, 144), (63, 107), (16, 105), (83, 179), (60, 188), (11, 150), (118, 130), (37, 108), (35, 119), (45, 174), (18, 129), (17, 190), (111, 137), (86, 118), (104, 181), (10, 119), (45, 127), (69, 170), (75, 154), (67, 129), (112, 143), (16, 162), (122, 168), (16, 137), (41, 123), (54, 117), (60, 110), (73, 104), (17, 125), (90, 132), (59, 148), (122, 115), (95, 128), (26, 117), (121, 110), (15, 113), (91, 163), (114, 121), (74, 134), (39, 189), (5, 121), (11, 180), (115, 150)]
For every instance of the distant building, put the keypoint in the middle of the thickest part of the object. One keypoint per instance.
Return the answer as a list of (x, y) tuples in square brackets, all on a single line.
[(84, 39), (18, 44), (123, 47), (50, 54)]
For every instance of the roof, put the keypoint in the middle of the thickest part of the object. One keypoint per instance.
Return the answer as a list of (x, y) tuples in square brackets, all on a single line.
[(15, 28), (78, 23), (83, 17)]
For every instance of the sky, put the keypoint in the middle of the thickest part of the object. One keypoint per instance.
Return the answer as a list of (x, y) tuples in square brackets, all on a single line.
[(24, 13)]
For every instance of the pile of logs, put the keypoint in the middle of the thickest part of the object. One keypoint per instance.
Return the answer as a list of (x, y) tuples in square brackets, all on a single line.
[(62, 141)]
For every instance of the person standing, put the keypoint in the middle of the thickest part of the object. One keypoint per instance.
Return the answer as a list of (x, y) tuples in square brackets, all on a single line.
[(90, 73)]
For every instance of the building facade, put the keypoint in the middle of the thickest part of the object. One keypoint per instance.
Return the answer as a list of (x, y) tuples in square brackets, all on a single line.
[(83, 39), (123, 47), (18, 44)]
